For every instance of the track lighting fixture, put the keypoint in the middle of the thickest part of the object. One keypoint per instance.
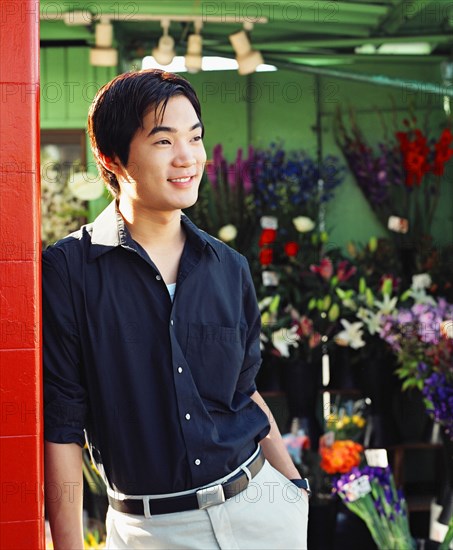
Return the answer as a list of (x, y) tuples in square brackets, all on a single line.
[(103, 55), (193, 56), (248, 59), (164, 53)]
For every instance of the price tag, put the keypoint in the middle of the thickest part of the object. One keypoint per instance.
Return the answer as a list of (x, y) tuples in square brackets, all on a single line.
[(269, 222), (270, 278), (357, 489), (398, 225), (376, 458), (325, 369)]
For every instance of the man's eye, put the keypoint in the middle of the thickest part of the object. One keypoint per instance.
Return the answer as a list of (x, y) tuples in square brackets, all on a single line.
[(197, 138)]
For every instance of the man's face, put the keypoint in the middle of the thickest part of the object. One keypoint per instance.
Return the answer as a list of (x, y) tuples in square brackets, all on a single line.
[(166, 160)]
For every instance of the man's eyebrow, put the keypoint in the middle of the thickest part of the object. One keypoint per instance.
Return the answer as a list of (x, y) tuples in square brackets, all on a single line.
[(157, 129)]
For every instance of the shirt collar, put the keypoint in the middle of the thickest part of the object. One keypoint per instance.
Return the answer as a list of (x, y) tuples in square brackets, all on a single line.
[(109, 231)]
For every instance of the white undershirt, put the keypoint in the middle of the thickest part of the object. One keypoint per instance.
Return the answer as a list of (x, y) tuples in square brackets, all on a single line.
[(171, 290)]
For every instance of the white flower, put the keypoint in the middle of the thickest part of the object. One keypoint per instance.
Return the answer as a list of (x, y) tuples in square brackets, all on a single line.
[(85, 186), (285, 337), (349, 303), (387, 305), (420, 297), (372, 320), (446, 329), (263, 340), (351, 335), (303, 224), (227, 233), (421, 281), (265, 302)]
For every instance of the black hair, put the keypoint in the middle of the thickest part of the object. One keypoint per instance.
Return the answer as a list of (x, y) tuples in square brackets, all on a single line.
[(118, 110)]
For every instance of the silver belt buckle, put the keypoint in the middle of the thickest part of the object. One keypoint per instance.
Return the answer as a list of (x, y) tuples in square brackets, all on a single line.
[(210, 496)]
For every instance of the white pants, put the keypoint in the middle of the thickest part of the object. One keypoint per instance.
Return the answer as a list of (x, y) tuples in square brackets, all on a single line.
[(271, 513)]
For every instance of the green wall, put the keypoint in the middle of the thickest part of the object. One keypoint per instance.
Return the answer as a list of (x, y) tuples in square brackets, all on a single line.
[(263, 107)]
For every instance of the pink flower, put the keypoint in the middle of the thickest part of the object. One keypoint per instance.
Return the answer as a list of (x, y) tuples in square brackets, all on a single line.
[(325, 268), (343, 273), (314, 340), (305, 326)]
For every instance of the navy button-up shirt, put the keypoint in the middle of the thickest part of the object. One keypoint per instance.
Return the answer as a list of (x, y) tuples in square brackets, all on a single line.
[(161, 389)]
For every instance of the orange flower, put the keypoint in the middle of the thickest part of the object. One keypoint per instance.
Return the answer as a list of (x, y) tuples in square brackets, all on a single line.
[(341, 457)]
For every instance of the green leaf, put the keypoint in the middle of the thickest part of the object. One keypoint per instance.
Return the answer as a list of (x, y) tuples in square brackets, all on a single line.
[(273, 306), (406, 295), (312, 304), (387, 287), (373, 244), (362, 285), (340, 293), (334, 312), (369, 297), (326, 302), (408, 383)]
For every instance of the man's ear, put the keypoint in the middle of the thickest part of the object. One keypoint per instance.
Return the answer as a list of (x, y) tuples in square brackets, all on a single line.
[(113, 164)]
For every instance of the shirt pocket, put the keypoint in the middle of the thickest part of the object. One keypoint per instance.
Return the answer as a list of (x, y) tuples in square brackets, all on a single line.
[(215, 355)]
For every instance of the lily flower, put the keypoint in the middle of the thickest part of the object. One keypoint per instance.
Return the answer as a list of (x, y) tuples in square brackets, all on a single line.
[(351, 335), (387, 305), (283, 338)]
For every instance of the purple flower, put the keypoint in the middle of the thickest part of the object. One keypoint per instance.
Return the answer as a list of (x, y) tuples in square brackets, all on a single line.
[(405, 316)]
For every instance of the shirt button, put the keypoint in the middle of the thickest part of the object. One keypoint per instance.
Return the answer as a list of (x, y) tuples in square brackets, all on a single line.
[(158, 278), (180, 370), (187, 416), (197, 462)]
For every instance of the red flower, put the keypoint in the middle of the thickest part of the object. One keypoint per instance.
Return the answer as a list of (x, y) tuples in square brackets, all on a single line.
[(325, 268), (266, 256), (343, 273), (291, 249), (414, 149), (443, 152), (267, 236)]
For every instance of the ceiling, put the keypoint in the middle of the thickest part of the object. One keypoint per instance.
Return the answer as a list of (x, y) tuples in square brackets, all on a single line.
[(295, 34)]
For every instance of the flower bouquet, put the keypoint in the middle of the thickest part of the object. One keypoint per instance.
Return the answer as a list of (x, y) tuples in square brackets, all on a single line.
[(370, 493), (339, 457), (421, 336), (346, 426), (401, 176), (235, 196)]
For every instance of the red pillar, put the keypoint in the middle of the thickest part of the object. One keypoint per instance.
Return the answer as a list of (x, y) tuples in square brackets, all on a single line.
[(21, 463)]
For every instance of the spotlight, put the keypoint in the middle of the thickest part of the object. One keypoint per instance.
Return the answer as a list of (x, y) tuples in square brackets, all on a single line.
[(248, 59), (164, 53), (193, 57), (103, 55)]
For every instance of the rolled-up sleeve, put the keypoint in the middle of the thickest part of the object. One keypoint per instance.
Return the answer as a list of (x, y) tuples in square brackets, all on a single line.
[(65, 401), (252, 358)]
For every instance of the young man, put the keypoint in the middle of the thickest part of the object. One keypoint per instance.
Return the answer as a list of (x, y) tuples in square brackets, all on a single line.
[(151, 347)]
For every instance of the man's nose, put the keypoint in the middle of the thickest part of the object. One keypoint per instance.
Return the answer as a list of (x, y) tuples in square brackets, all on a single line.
[(184, 156)]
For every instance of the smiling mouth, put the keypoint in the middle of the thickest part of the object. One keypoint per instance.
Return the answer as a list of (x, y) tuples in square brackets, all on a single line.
[(180, 180)]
